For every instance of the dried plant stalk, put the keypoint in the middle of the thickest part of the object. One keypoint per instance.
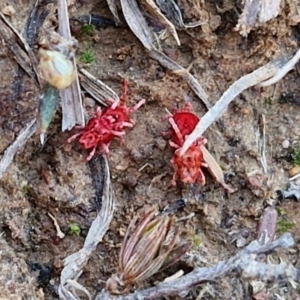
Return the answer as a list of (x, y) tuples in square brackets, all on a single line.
[(144, 251), (267, 225), (214, 169), (154, 10), (96, 88), (139, 27), (173, 12), (256, 77), (74, 263), (113, 8), (20, 141), (12, 40), (72, 108), (255, 13), (243, 264)]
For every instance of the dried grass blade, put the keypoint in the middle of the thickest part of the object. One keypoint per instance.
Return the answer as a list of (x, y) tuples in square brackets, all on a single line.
[(269, 10), (257, 12), (12, 38), (175, 254), (254, 78), (154, 10), (74, 263), (113, 9), (146, 250), (156, 263), (137, 22), (20, 141), (267, 225), (72, 108), (126, 246), (96, 88), (139, 27), (173, 12), (177, 69), (214, 169), (151, 269)]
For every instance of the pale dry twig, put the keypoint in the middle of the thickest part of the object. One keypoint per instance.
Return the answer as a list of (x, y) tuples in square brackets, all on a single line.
[(258, 76), (74, 263), (19, 142), (243, 264)]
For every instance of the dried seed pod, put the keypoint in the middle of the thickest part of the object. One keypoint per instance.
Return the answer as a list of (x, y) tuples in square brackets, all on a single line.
[(56, 68)]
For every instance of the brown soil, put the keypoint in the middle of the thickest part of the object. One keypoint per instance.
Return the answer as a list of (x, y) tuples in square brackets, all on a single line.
[(48, 179)]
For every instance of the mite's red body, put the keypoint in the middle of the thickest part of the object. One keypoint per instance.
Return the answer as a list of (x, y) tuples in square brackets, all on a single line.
[(106, 125), (187, 166)]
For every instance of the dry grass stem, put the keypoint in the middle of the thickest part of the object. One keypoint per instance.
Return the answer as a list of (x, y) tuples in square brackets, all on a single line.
[(113, 8), (96, 88), (255, 13), (139, 27), (243, 264), (261, 143), (249, 80), (155, 11), (168, 63), (215, 169), (173, 13), (283, 71), (16, 44), (72, 108), (74, 263), (267, 225), (19, 142)]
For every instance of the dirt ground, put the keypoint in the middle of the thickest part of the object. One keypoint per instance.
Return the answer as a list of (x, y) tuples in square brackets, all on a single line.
[(48, 179)]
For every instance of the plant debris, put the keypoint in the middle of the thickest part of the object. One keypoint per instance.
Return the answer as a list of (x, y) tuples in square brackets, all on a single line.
[(71, 97), (243, 264), (258, 76), (73, 264)]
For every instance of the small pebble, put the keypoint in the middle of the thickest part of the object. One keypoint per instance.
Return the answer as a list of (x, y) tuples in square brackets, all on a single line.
[(285, 144)]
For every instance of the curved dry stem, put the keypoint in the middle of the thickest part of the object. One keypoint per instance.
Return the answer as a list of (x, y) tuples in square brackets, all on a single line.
[(242, 264), (20, 141), (139, 27), (249, 80), (74, 263)]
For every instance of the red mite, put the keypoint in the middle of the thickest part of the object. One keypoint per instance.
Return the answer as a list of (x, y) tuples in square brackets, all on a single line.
[(187, 166), (106, 125)]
